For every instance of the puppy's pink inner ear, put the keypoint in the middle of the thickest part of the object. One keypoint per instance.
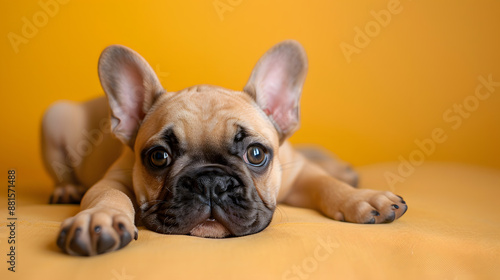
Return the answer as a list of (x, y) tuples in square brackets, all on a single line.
[(132, 86), (129, 109), (277, 96)]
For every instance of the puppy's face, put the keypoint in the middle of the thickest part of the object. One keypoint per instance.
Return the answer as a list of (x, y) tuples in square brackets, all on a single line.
[(206, 158), (206, 164)]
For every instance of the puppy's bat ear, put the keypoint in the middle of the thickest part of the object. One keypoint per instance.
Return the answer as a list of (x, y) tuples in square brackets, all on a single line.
[(131, 86), (276, 85)]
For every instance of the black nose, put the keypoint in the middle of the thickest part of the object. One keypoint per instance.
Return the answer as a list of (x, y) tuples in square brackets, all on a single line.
[(209, 181)]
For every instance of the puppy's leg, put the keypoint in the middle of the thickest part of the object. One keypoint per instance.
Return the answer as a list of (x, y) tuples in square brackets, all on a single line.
[(59, 125), (106, 222), (316, 189), (330, 163)]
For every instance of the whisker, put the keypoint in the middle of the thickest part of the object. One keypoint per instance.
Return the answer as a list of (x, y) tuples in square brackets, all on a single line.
[(282, 217)]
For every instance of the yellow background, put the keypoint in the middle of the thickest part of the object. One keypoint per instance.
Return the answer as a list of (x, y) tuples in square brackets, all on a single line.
[(371, 109)]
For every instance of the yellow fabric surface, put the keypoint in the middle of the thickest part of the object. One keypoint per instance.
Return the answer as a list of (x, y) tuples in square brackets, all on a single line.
[(451, 231)]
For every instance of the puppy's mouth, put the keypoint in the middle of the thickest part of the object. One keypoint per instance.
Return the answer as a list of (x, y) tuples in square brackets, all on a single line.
[(201, 221), (210, 228)]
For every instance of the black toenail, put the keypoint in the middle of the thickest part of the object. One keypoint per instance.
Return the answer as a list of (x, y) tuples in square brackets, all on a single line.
[(97, 229), (136, 235), (104, 243), (61, 240), (390, 218), (372, 221), (77, 245), (395, 206), (121, 226), (402, 200), (404, 211), (375, 213), (125, 239)]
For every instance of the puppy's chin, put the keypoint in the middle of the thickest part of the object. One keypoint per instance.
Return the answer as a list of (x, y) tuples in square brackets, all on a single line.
[(210, 229)]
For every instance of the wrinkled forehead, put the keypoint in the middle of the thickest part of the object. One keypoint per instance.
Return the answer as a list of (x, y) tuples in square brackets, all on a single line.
[(205, 115)]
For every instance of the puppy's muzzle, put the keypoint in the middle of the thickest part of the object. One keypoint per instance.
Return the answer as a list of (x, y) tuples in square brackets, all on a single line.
[(211, 183), (208, 201)]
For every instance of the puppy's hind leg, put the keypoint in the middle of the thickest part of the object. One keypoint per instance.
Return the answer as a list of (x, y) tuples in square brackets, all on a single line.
[(329, 162), (58, 133)]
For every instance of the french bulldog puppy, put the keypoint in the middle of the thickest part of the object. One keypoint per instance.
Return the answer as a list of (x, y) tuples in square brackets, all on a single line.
[(204, 161)]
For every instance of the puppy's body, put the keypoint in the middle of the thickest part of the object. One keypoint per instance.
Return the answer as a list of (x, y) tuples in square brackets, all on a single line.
[(205, 161), (77, 146)]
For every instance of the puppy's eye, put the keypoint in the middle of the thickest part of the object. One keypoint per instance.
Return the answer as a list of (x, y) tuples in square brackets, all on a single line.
[(160, 158), (256, 155)]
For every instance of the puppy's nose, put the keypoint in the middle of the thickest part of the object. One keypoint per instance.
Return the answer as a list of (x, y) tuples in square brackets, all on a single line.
[(210, 181)]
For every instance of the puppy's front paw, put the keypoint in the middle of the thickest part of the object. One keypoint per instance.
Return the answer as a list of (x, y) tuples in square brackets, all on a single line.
[(67, 194), (96, 231), (371, 207)]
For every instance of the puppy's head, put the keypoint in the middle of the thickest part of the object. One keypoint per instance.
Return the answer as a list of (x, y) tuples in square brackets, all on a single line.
[(206, 158)]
